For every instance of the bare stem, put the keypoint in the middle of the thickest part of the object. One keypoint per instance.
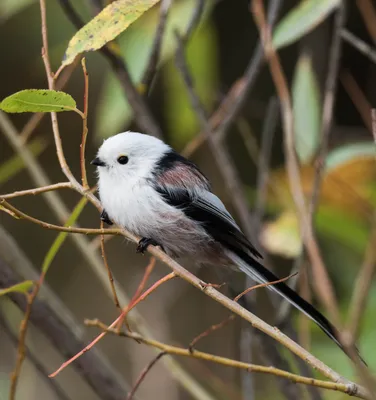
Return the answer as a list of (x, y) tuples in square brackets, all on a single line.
[(84, 126)]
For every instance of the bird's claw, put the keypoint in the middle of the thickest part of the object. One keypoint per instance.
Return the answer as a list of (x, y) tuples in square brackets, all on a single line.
[(105, 218), (144, 243)]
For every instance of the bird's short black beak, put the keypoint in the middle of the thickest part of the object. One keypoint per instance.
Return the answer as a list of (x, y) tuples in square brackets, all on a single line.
[(98, 162)]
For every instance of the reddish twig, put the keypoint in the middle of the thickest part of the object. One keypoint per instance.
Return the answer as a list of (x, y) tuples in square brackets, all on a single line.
[(85, 184), (232, 317), (115, 325), (142, 297), (144, 373)]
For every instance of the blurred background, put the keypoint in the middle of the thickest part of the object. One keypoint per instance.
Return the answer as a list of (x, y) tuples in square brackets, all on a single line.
[(219, 54)]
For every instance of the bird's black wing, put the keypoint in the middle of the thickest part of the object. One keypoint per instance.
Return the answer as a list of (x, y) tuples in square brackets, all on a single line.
[(206, 208)]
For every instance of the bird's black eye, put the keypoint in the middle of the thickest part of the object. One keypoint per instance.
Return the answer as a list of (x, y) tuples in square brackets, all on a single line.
[(122, 160)]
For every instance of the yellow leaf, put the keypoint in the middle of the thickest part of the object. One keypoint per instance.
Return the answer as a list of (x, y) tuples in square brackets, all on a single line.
[(282, 236), (106, 26)]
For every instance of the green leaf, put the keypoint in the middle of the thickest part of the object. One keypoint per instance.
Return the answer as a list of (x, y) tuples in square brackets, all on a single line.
[(113, 112), (106, 26), (306, 108), (301, 20), (348, 153), (38, 100), (15, 164), (22, 287), (60, 239)]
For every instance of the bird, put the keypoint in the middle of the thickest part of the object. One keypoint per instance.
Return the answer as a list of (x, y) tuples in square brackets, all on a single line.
[(155, 193)]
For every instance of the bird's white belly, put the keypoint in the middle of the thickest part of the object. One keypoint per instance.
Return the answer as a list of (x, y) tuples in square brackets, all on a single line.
[(141, 210)]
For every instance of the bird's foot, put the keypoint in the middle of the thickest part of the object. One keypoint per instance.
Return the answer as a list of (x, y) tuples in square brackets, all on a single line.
[(105, 218), (144, 243)]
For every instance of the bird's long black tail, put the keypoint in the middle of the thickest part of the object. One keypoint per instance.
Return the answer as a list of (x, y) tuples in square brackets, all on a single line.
[(259, 273)]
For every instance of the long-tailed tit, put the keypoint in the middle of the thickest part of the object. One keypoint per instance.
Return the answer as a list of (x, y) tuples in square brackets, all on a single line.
[(148, 188)]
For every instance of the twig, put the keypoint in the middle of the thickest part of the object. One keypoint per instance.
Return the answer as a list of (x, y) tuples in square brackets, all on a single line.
[(223, 159), (231, 317), (51, 85), (362, 287), (44, 189), (226, 361), (21, 351), (84, 126), (326, 124), (59, 228), (358, 98), (116, 325), (232, 104), (152, 65), (322, 283), (140, 288), (194, 21), (142, 113), (143, 374), (359, 44), (142, 297), (328, 105), (270, 125), (35, 120), (109, 272), (368, 12), (250, 75)]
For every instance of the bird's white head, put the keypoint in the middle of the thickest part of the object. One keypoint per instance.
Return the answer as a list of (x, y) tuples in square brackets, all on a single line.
[(129, 155)]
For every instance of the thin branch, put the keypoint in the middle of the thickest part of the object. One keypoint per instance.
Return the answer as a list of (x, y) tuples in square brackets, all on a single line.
[(85, 184), (115, 325), (270, 125), (46, 225), (141, 111), (226, 361), (232, 104), (358, 98), (109, 272), (359, 44), (326, 125), (140, 288), (51, 85), (143, 374), (194, 21), (21, 351), (222, 157), (231, 317), (362, 287), (368, 12), (44, 189), (155, 52), (35, 120), (322, 282), (142, 297)]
